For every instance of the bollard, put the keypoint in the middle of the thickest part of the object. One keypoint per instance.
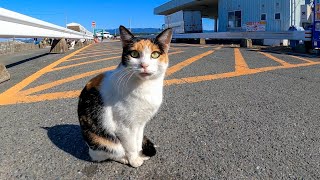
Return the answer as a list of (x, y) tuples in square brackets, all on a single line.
[(59, 46), (87, 42), (247, 43), (202, 41), (79, 44), (4, 74)]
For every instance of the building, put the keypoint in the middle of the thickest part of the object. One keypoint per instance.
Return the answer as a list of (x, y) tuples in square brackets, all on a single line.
[(79, 28), (242, 15)]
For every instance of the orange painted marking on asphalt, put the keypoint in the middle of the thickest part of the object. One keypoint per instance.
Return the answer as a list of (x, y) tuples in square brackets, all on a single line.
[(15, 89), (99, 60), (282, 62), (39, 98), (191, 45), (65, 80), (231, 74), (97, 52), (104, 54), (303, 59), (187, 62), (240, 64), (17, 95), (13, 92), (174, 48), (177, 52), (88, 62), (92, 51)]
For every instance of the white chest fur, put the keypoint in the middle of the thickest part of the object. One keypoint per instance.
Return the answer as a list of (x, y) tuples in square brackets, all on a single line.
[(135, 104), (143, 102)]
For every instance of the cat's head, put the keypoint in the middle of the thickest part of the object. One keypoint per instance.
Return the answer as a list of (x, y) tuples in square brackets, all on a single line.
[(148, 59)]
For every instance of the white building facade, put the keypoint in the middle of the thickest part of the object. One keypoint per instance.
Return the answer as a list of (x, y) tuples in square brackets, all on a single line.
[(242, 15), (270, 15)]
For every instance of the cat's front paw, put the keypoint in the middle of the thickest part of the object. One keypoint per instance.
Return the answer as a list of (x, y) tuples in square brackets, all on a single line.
[(136, 162), (144, 157)]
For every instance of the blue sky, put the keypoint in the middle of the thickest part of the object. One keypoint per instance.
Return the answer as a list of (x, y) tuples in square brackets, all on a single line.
[(106, 13)]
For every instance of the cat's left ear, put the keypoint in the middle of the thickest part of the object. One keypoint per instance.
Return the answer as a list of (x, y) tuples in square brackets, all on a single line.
[(126, 35), (165, 38)]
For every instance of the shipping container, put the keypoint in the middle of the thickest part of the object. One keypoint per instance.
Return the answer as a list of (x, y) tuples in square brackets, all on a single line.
[(184, 22), (277, 15)]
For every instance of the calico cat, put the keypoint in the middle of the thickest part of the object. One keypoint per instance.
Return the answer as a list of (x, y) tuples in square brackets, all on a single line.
[(115, 106)]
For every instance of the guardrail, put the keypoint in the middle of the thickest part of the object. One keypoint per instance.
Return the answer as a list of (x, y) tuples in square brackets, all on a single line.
[(16, 25)]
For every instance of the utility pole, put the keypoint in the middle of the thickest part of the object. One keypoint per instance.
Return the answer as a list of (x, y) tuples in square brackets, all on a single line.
[(66, 20), (130, 24)]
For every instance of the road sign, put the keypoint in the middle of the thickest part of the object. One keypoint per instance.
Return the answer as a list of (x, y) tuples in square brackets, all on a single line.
[(93, 24)]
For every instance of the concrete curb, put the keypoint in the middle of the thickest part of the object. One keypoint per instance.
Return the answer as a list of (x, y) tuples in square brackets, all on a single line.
[(4, 74)]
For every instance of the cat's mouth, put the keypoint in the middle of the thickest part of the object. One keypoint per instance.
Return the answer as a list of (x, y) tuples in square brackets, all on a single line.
[(145, 74)]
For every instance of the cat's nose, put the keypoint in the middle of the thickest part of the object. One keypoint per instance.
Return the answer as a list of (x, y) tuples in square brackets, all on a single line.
[(144, 65)]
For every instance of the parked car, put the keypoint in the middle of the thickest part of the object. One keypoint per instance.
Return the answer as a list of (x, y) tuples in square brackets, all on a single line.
[(107, 35)]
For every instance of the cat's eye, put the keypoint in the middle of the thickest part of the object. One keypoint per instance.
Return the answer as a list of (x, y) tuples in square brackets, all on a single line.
[(134, 54), (155, 54)]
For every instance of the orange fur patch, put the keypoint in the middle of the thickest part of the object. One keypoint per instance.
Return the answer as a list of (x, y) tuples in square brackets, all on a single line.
[(142, 44), (164, 58), (102, 141), (95, 82)]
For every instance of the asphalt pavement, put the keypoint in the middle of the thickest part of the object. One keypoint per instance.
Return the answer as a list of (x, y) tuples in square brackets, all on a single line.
[(228, 113)]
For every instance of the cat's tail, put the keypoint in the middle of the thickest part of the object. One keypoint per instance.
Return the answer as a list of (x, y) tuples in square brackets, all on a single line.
[(148, 148)]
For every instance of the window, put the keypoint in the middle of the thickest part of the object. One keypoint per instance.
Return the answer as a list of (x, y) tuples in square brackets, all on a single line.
[(234, 19), (237, 16), (263, 17), (277, 7), (231, 19), (263, 8), (277, 16)]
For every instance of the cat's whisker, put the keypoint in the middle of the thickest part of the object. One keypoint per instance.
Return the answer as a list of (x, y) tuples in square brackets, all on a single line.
[(116, 79), (130, 74), (119, 78), (116, 72), (126, 84), (119, 73), (120, 89)]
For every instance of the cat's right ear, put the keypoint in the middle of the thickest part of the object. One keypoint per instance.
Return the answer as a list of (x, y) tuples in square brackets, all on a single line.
[(126, 36)]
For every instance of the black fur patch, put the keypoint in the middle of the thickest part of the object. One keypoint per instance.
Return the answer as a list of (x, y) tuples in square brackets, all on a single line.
[(126, 51), (148, 148), (160, 45), (90, 117)]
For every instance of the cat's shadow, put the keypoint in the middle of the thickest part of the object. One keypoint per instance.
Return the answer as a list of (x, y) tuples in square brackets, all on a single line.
[(68, 138)]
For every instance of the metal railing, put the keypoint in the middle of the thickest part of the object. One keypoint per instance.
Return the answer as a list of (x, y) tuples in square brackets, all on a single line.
[(291, 35), (16, 25)]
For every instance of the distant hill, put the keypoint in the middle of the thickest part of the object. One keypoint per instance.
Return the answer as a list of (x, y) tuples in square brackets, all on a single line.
[(138, 30), (144, 31)]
